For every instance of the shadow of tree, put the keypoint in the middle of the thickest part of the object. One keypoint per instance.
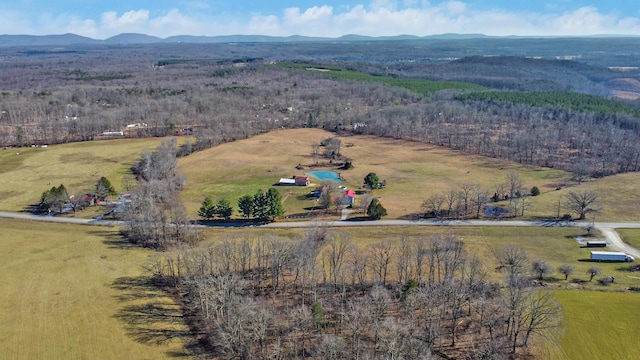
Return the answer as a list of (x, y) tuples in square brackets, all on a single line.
[(135, 288), (150, 320), (153, 323), (114, 240)]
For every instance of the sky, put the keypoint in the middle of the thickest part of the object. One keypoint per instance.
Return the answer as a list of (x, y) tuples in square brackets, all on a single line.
[(101, 19)]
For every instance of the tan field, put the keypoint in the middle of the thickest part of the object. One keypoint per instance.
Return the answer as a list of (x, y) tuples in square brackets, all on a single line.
[(80, 292), (413, 172)]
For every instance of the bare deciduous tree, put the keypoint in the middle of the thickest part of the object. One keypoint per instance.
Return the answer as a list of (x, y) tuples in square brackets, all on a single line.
[(593, 271), (541, 268), (583, 203), (565, 270)]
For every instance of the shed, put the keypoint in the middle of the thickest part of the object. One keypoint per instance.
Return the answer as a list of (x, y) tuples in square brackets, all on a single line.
[(287, 181)]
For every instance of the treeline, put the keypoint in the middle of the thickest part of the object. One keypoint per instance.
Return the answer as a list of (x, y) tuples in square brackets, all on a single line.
[(586, 143), (420, 86), (322, 296), (556, 99)]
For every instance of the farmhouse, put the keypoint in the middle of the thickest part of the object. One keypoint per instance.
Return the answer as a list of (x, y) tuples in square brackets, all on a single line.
[(351, 196), (302, 180), (295, 180)]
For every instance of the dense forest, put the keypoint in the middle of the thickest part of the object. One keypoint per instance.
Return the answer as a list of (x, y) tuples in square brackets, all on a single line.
[(554, 113)]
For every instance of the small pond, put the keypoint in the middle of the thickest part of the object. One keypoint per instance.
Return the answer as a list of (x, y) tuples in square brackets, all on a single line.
[(325, 175)]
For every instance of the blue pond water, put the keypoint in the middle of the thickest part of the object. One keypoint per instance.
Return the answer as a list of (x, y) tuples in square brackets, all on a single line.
[(324, 175)]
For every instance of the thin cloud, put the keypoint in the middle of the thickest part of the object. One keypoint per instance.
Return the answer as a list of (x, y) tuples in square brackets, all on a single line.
[(379, 18)]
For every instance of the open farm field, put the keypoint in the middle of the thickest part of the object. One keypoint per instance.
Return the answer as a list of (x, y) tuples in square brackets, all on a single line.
[(413, 172), (80, 292), (25, 173), (600, 326)]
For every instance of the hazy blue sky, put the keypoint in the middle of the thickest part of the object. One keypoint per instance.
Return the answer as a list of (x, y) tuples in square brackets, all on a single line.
[(102, 19)]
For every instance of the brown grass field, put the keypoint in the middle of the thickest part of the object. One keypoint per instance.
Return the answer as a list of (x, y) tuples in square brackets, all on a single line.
[(413, 172), (79, 292)]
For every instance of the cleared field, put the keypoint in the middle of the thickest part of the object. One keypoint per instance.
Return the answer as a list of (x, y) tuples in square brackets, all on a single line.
[(599, 326), (25, 173), (413, 171), (619, 197), (79, 292)]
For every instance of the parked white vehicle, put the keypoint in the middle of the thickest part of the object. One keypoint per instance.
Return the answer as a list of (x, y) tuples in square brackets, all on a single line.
[(611, 256)]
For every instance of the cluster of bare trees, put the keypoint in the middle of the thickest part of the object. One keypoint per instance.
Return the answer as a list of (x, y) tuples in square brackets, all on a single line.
[(469, 199), (322, 296), (154, 215)]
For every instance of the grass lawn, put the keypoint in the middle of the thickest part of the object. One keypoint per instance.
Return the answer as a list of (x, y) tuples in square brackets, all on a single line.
[(630, 236), (79, 292), (26, 173), (600, 325)]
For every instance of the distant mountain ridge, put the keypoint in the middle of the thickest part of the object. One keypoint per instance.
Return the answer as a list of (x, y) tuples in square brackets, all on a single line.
[(134, 38)]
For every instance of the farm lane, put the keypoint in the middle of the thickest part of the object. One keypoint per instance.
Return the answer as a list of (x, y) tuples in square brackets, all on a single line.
[(614, 239), (607, 228)]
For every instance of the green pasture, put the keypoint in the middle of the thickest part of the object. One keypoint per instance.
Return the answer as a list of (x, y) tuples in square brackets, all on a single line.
[(25, 173), (599, 326), (80, 292), (619, 196)]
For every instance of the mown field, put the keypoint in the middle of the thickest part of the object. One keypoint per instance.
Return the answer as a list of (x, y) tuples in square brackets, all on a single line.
[(630, 236), (25, 173), (600, 326), (412, 171), (80, 292)]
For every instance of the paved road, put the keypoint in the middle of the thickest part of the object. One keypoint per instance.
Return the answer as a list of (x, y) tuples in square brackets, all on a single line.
[(607, 228)]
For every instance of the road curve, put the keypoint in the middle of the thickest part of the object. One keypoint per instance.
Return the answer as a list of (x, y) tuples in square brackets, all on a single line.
[(607, 228), (613, 238)]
